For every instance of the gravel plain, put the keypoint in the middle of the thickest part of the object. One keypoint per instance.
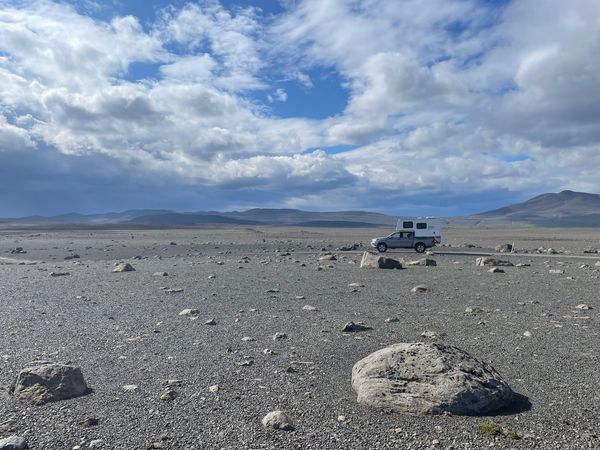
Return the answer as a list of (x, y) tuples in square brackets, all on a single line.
[(125, 329)]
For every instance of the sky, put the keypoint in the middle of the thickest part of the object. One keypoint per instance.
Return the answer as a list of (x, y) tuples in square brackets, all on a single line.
[(399, 106)]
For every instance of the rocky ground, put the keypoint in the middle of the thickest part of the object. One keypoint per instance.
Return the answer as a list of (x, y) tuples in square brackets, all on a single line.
[(126, 333)]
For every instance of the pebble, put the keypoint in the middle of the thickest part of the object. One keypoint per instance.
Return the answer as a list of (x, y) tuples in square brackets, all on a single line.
[(420, 289), (309, 308)]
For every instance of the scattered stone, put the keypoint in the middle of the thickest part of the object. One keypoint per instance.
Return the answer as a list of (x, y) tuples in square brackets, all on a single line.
[(421, 378), (352, 327), (160, 274), (527, 334), (96, 443), (496, 270), (328, 258), (373, 261), (591, 250), (523, 265), (391, 319), (356, 285), (168, 395), (247, 339), (73, 256), (210, 322), (473, 310), (279, 336), (46, 382), (246, 361), (349, 248), (272, 291), (504, 248), (583, 306), (18, 250), (214, 388), (59, 274), (123, 267), (309, 308), (174, 290), (191, 313), (13, 442), (278, 420), (130, 387), (597, 264), (489, 261), (422, 262), (556, 271), (432, 334), (420, 288), (89, 422)]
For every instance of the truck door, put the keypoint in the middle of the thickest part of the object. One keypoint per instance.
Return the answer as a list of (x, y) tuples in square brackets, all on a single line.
[(394, 240), (406, 240)]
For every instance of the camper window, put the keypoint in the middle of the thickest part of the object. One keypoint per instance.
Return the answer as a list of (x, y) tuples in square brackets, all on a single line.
[(421, 225), (407, 225)]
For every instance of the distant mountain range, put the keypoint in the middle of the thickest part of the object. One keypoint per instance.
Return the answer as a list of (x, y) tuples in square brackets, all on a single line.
[(565, 209)]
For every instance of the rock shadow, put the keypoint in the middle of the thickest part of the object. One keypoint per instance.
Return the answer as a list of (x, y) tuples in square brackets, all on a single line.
[(519, 404)]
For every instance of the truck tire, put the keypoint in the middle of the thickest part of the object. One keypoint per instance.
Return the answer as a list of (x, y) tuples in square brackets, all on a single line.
[(382, 247), (420, 247)]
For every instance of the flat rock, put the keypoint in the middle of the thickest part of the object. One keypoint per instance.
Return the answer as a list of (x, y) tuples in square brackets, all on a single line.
[(420, 288), (46, 382), (422, 262), (352, 327), (278, 420), (328, 258), (583, 306), (496, 270), (489, 261), (160, 274), (189, 312), (59, 274), (373, 261), (423, 378), (123, 267), (13, 443), (309, 308)]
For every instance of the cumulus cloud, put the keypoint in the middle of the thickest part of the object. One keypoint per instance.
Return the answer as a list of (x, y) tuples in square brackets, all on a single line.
[(444, 97)]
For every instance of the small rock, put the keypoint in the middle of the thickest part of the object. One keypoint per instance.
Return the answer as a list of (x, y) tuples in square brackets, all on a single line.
[(527, 334), (89, 422), (504, 248), (272, 291), (96, 443), (431, 334), (59, 274), (420, 289), (277, 420), (123, 267), (496, 270), (174, 290), (356, 285), (130, 387), (247, 339), (473, 310), (279, 336), (328, 258), (352, 327), (210, 322), (214, 388), (309, 308), (422, 262), (489, 261), (191, 313), (583, 306), (556, 271), (160, 274), (168, 395), (391, 319)]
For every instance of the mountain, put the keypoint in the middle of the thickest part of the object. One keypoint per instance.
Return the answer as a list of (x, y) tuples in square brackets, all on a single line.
[(257, 216), (564, 209)]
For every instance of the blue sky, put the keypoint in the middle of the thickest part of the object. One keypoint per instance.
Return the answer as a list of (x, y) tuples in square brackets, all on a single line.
[(413, 107)]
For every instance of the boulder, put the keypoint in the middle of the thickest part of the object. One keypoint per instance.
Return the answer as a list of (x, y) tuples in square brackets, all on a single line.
[(429, 378), (123, 267), (489, 261), (422, 262), (278, 420), (504, 248), (46, 382), (13, 443), (373, 261), (352, 327)]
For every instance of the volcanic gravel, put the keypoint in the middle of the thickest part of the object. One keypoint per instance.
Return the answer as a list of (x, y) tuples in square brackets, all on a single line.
[(125, 329)]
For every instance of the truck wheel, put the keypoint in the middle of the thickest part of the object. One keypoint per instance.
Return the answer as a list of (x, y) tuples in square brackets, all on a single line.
[(382, 247), (419, 247)]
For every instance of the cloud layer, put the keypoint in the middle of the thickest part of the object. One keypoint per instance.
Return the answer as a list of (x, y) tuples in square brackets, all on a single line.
[(449, 104)]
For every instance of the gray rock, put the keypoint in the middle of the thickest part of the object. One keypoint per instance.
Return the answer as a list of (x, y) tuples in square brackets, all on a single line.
[(13, 443), (59, 274), (489, 261), (420, 378), (504, 248), (46, 382), (496, 270), (123, 267), (349, 248), (160, 274), (328, 258), (352, 327), (373, 261), (189, 312), (422, 262), (18, 250), (279, 336), (419, 289), (278, 420)]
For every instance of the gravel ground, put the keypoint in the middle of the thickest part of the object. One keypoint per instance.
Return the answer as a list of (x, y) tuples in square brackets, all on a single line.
[(122, 329)]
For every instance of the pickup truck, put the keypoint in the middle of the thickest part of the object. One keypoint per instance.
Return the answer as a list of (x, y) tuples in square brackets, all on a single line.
[(403, 239)]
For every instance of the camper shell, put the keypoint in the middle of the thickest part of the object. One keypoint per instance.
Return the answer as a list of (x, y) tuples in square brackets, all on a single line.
[(422, 227)]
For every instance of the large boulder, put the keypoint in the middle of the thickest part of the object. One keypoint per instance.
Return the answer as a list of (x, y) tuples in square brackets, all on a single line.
[(373, 261), (13, 443), (423, 378), (46, 382), (489, 261)]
